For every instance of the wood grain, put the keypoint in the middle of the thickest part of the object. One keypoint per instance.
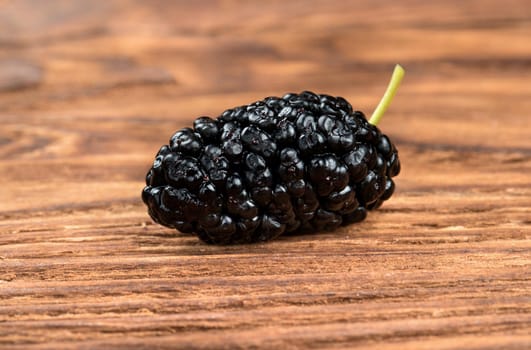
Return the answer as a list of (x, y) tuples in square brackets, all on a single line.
[(90, 89)]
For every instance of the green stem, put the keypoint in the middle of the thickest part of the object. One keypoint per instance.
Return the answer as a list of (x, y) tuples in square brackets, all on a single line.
[(396, 78)]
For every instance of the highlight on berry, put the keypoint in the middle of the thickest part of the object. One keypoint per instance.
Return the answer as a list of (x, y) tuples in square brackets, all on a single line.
[(299, 163)]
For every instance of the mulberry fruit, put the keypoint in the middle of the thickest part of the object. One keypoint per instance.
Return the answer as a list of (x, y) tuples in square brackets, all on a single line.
[(300, 163)]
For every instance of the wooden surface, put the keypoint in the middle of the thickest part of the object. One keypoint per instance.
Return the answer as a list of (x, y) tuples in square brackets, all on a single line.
[(90, 89)]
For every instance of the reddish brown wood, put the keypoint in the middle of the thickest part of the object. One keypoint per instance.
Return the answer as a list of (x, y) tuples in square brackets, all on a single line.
[(90, 89)]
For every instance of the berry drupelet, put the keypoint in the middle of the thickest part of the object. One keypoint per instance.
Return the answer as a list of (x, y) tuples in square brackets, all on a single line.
[(300, 163)]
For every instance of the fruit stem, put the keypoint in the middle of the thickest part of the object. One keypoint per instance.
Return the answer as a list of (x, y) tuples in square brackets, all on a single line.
[(396, 78)]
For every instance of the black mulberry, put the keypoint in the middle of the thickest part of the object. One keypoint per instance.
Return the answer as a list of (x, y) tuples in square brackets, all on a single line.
[(304, 162)]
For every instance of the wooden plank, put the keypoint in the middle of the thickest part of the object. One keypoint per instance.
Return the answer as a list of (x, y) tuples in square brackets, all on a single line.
[(90, 90)]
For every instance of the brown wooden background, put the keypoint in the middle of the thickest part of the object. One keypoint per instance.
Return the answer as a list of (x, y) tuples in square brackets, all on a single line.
[(90, 89)]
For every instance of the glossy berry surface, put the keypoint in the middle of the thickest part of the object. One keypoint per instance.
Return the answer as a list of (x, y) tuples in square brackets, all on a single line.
[(301, 163)]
